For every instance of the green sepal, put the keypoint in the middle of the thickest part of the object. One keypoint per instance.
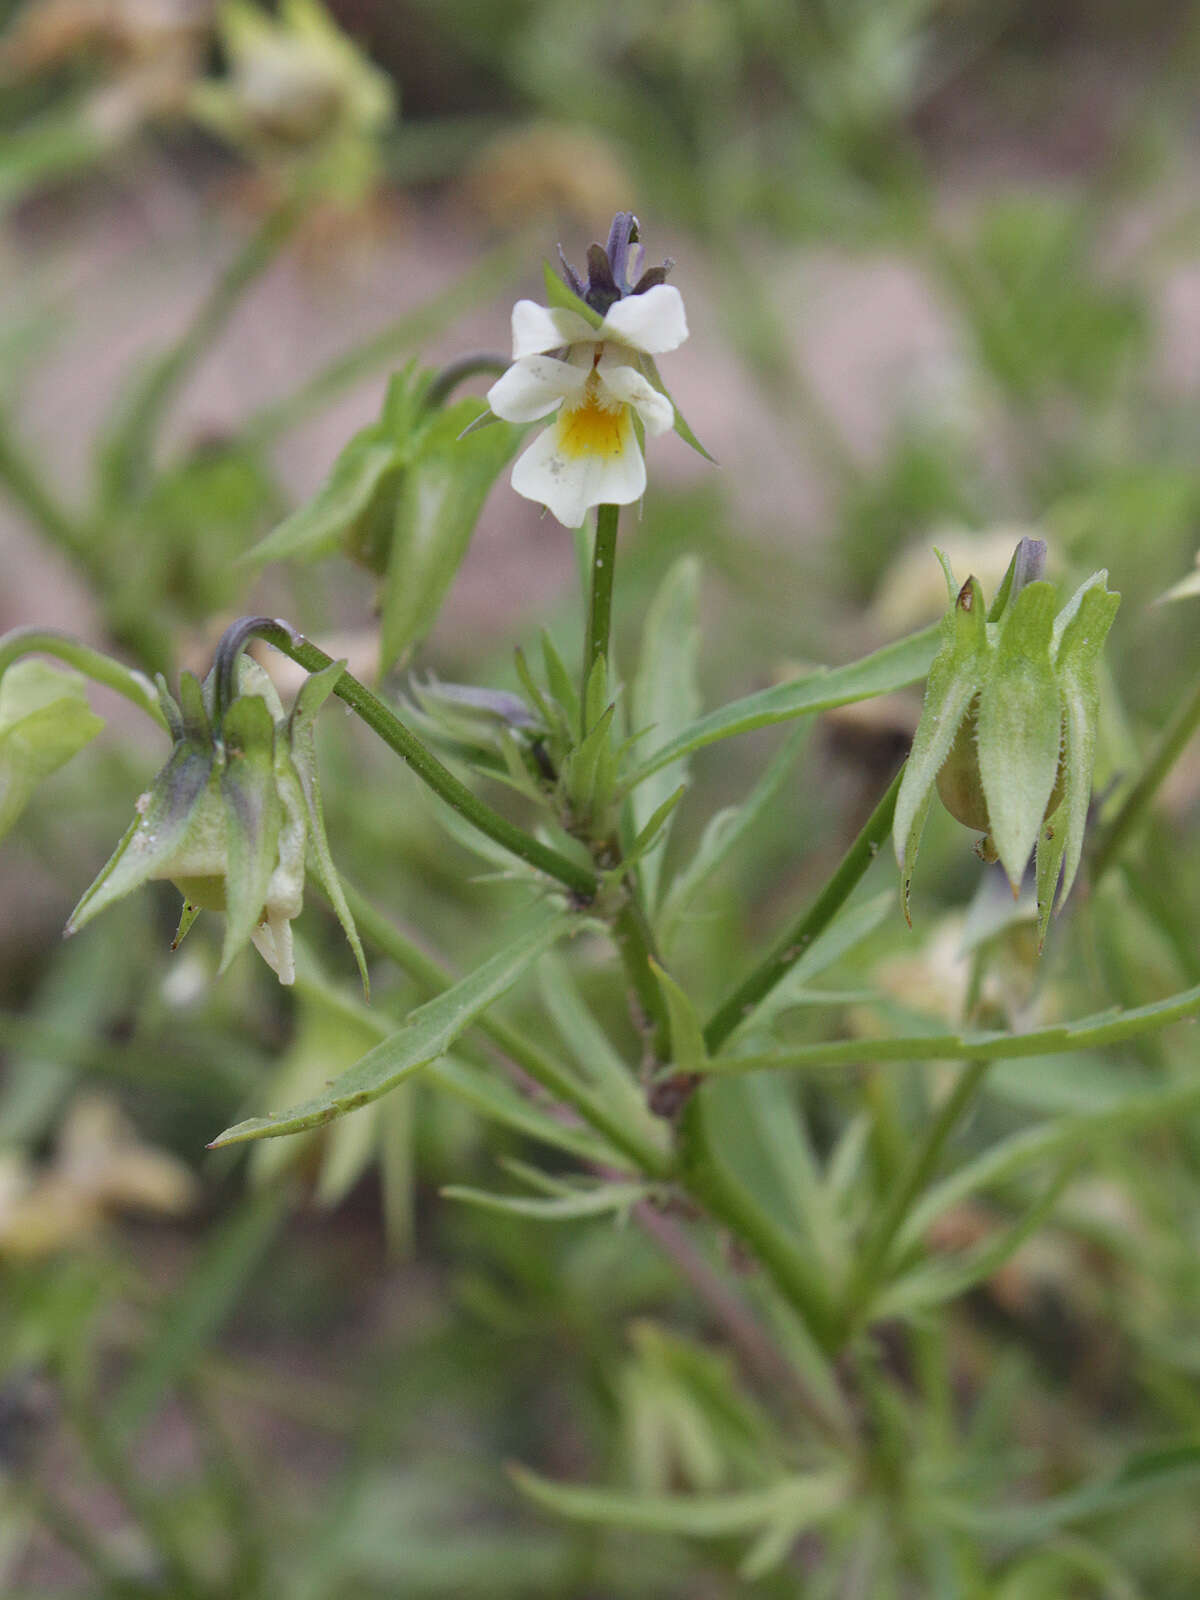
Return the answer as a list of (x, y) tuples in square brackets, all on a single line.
[(564, 298), (1051, 846), (253, 817), (175, 801), (955, 678), (1020, 728), (1080, 632), (559, 681), (188, 912), (650, 369), (303, 767), (45, 719)]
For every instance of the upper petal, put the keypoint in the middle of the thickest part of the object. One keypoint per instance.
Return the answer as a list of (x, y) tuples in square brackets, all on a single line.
[(536, 329), (627, 384), (654, 322), (569, 483), (533, 386)]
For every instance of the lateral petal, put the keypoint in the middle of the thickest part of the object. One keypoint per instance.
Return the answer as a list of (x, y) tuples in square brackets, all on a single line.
[(533, 386)]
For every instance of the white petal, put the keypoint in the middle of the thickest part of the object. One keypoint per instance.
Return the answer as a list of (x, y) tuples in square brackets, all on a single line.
[(654, 322), (533, 386), (536, 329), (624, 383), (570, 484)]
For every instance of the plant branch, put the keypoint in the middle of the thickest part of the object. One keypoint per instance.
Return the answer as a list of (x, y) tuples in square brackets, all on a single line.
[(791, 945), (581, 880)]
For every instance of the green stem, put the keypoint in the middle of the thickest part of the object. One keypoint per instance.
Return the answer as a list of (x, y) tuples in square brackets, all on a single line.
[(1171, 744), (135, 686), (635, 944), (599, 622), (799, 1276), (581, 880), (638, 1144), (874, 1259), (792, 945), (456, 372)]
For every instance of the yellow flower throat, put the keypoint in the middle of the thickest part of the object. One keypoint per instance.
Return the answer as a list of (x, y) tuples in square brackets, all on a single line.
[(596, 426)]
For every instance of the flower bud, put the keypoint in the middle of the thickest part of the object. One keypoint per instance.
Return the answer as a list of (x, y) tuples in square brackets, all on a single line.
[(1008, 732)]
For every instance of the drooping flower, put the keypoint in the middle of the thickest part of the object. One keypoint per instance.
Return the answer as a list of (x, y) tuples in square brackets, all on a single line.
[(591, 363), (233, 815)]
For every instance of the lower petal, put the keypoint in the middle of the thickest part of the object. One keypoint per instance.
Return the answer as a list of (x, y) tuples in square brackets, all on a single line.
[(569, 483)]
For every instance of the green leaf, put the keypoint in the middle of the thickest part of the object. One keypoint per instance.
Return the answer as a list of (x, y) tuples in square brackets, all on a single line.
[(480, 1088), (316, 528), (893, 667), (1015, 1154), (687, 1031), (1088, 1033), (428, 1034), (1020, 728), (848, 929), (441, 495), (699, 1516), (45, 719), (665, 695), (936, 1282), (954, 680), (564, 298), (725, 831), (1145, 1475), (591, 1202)]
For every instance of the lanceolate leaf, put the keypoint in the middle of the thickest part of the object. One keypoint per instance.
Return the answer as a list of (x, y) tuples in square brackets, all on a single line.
[(428, 1034), (593, 1202), (894, 667), (315, 528), (701, 1516), (45, 719), (441, 494)]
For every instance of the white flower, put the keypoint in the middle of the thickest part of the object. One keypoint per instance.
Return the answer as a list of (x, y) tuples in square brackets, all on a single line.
[(590, 455)]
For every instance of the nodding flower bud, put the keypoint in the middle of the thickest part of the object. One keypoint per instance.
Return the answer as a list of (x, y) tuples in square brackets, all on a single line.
[(232, 816), (1007, 736)]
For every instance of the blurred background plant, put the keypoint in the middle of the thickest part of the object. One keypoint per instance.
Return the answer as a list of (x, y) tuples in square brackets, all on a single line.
[(940, 262)]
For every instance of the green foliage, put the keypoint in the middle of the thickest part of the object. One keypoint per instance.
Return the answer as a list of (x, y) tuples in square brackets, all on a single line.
[(872, 1266)]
